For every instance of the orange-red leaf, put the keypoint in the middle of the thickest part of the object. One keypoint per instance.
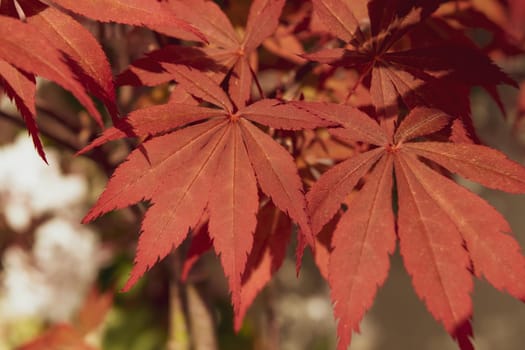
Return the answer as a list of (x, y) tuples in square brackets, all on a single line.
[(338, 18), (383, 92), (327, 193), (153, 14), (154, 69), (201, 86), (233, 206), (495, 254), (61, 336), (421, 121), (433, 252), (200, 244), (281, 115), (143, 174), (21, 88), (461, 63), (153, 121), (23, 46), (208, 18), (358, 126), (178, 201), (362, 241), (85, 56), (277, 175), (94, 311), (348, 58), (478, 163), (262, 22), (240, 83), (8, 8)]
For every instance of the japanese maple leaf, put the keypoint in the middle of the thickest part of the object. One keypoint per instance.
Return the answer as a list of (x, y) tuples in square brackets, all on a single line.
[(429, 75), (203, 158), (446, 233), (230, 53), (52, 45)]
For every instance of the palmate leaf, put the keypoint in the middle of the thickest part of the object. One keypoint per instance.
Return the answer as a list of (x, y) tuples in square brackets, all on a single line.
[(446, 233), (211, 167), (231, 54), (410, 74)]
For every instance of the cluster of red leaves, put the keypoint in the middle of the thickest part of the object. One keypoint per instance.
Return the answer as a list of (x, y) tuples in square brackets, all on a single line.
[(210, 167), (37, 39)]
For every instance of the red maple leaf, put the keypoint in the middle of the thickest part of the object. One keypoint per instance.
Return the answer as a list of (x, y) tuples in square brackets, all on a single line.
[(429, 75), (206, 160), (227, 54), (446, 233)]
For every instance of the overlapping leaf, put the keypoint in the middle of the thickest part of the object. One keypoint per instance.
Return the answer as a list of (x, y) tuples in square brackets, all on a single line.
[(232, 55), (419, 76), (54, 46), (83, 53), (47, 63), (436, 219)]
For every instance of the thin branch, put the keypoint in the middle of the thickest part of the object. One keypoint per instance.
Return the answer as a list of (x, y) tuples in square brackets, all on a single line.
[(63, 137), (50, 129), (64, 120), (259, 87)]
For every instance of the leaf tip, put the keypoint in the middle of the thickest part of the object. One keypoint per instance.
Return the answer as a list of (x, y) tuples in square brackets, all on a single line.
[(238, 321), (136, 273), (463, 335)]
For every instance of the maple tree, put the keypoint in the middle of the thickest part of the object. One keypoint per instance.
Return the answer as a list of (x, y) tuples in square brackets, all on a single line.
[(225, 159)]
